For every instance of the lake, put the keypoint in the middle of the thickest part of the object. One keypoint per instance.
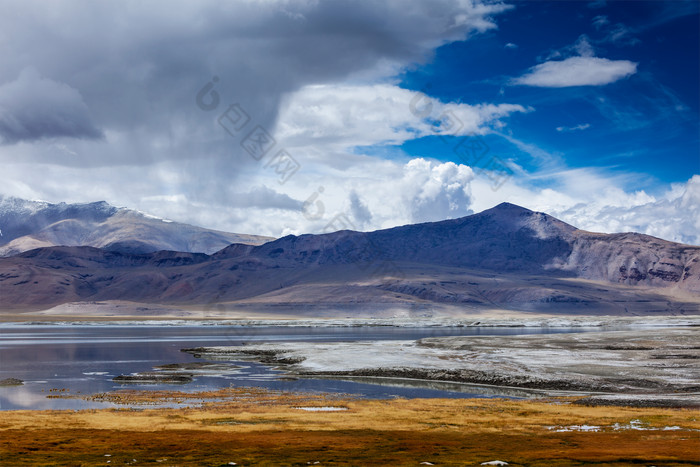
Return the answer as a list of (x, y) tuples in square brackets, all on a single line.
[(83, 359)]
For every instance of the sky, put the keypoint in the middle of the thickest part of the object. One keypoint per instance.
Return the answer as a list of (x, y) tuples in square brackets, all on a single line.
[(290, 117)]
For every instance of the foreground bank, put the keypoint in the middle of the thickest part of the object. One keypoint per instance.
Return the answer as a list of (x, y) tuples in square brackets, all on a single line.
[(257, 427)]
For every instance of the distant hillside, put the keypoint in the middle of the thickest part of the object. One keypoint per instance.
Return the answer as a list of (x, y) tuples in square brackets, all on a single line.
[(26, 225), (504, 258), (505, 239)]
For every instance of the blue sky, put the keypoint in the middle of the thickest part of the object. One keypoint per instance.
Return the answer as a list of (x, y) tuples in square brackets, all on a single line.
[(587, 111), (645, 124)]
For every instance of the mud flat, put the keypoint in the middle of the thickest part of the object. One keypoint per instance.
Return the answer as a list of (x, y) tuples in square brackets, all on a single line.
[(11, 382), (154, 378), (176, 373), (659, 367), (252, 426)]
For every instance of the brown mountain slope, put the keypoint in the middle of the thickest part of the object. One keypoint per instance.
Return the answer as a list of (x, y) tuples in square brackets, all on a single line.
[(505, 257)]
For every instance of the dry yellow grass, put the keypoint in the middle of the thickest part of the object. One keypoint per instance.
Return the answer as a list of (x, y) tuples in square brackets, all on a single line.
[(252, 426)]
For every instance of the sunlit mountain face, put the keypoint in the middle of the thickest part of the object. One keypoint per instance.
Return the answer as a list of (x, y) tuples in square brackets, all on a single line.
[(27, 225)]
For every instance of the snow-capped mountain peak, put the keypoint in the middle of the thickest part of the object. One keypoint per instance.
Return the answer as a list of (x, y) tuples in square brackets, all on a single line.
[(25, 225)]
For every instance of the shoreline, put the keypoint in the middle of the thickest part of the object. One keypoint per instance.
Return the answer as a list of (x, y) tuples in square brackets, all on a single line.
[(523, 320), (126, 311), (586, 397)]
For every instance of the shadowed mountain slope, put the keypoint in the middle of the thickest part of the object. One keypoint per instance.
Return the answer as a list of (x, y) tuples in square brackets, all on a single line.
[(505, 257)]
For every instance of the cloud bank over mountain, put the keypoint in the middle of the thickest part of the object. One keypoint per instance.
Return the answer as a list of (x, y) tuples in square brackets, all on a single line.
[(162, 107)]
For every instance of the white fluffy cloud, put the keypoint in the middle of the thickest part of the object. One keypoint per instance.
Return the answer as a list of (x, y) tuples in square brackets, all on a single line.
[(577, 71), (594, 201), (673, 215), (579, 127), (375, 194), (336, 117), (370, 194), (435, 191), (420, 190)]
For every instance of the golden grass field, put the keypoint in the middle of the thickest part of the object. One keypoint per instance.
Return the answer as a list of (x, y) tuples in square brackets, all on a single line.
[(252, 426)]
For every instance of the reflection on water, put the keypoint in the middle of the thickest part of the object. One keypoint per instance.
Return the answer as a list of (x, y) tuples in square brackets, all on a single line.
[(83, 360), (463, 389)]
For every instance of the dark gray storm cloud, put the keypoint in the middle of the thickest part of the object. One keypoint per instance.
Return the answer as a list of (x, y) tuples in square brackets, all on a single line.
[(360, 211), (263, 197), (95, 85), (33, 108), (137, 67)]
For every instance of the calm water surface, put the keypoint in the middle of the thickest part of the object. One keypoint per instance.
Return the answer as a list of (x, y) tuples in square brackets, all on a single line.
[(84, 359)]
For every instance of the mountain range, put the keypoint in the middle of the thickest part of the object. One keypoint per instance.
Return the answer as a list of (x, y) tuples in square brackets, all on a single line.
[(504, 258), (26, 225)]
